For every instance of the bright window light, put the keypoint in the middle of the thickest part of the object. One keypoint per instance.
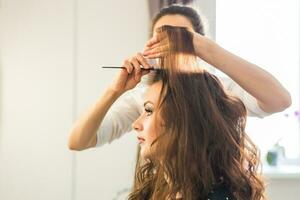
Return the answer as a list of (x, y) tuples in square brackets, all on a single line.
[(266, 33)]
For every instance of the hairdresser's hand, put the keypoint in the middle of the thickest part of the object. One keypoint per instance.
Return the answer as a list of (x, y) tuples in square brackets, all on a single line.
[(157, 46), (129, 77)]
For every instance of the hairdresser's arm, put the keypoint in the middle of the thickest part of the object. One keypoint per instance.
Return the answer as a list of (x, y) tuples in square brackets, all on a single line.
[(84, 132), (271, 96)]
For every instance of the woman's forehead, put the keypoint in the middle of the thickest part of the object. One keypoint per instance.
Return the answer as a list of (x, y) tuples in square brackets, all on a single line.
[(174, 20)]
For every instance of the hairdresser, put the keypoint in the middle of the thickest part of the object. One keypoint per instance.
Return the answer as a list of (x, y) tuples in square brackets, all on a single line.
[(111, 116)]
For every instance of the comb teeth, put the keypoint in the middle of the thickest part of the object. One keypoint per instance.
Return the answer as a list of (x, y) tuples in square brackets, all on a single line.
[(148, 78)]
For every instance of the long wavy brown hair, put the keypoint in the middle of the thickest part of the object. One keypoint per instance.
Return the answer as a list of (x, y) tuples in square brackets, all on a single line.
[(204, 143)]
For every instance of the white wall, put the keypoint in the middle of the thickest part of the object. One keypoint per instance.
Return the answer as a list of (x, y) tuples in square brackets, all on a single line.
[(51, 53), (36, 89), (106, 34), (283, 189)]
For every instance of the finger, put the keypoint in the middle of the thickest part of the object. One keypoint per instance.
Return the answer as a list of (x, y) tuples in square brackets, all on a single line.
[(158, 49), (156, 55), (143, 61), (128, 66), (155, 39), (123, 72), (160, 43), (152, 41), (137, 67), (164, 43)]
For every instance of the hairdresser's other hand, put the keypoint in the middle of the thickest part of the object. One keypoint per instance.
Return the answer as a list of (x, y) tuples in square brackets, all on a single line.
[(157, 46), (129, 77)]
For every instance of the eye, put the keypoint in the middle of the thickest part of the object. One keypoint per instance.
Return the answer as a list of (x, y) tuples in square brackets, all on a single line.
[(148, 111)]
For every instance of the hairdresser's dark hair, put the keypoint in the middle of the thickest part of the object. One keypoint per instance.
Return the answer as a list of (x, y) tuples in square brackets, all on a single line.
[(203, 143), (188, 12)]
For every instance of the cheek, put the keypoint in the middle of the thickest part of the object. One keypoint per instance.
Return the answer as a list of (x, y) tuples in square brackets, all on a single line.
[(150, 129), (150, 134)]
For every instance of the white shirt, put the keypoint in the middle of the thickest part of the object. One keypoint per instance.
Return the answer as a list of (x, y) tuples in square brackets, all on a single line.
[(129, 107)]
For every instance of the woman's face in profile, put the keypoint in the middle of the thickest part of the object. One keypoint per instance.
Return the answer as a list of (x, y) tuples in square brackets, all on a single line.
[(147, 125)]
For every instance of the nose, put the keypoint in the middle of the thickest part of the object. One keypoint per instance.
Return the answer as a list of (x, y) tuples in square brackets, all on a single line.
[(137, 125)]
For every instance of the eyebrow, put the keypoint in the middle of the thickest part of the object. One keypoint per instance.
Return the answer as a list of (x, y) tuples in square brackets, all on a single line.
[(148, 102)]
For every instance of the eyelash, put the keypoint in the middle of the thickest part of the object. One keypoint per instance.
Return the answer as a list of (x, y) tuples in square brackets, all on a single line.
[(148, 111)]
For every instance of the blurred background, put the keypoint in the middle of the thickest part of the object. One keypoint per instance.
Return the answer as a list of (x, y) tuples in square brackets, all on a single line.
[(51, 52)]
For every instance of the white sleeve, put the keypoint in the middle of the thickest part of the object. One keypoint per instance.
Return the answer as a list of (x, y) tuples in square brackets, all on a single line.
[(120, 117), (249, 101)]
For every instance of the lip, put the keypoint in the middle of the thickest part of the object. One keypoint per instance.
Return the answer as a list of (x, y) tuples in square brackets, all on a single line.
[(140, 139)]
